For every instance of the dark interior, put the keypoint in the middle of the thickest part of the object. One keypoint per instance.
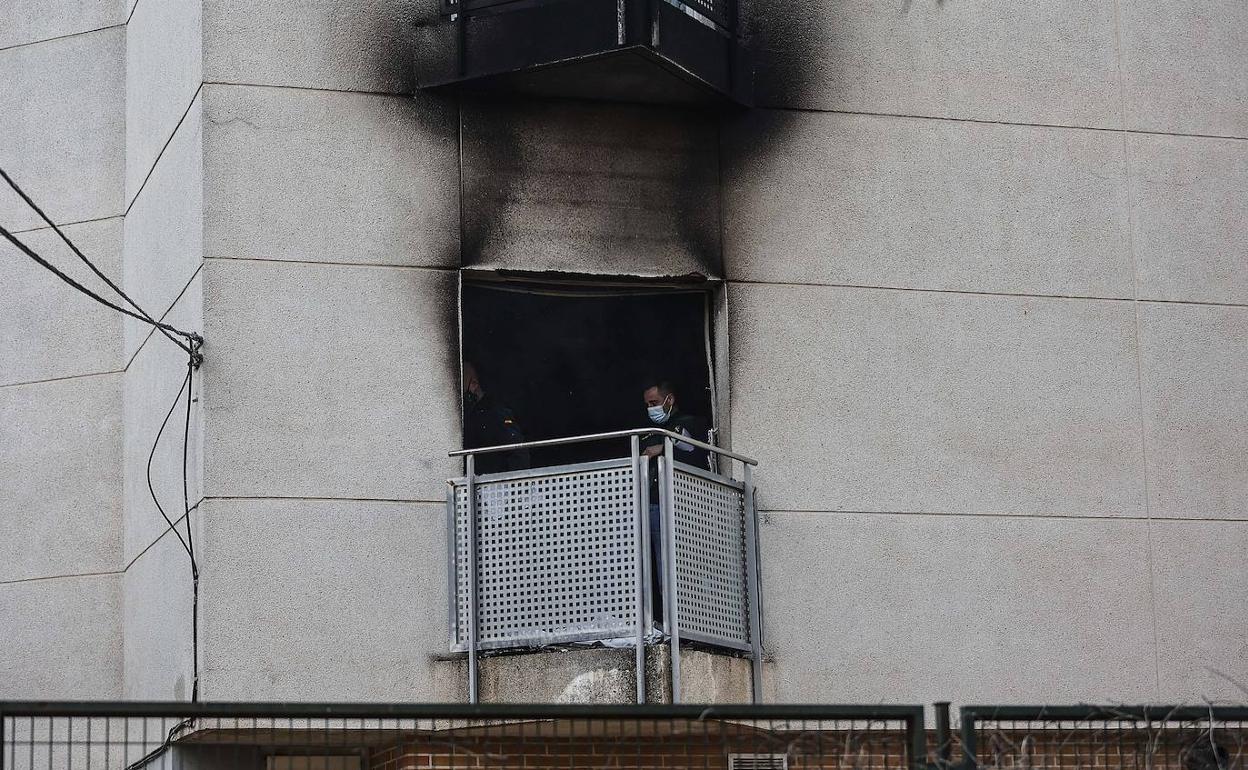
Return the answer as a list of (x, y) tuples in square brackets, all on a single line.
[(571, 361)]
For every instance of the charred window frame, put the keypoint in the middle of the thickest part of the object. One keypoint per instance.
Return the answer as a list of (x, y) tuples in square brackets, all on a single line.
[(568, 356)]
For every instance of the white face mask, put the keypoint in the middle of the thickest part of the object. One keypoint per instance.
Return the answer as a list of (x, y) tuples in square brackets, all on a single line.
[(658, 414)]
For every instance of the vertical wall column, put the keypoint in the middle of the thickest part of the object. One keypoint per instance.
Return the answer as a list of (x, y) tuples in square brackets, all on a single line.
[(162, 271), (62, 118)]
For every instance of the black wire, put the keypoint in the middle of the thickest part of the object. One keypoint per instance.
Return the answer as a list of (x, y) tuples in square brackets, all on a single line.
[(163, 747), (11, 238), (188, 544), (145, 316), (186, 505), (185, 381), (191, 347)]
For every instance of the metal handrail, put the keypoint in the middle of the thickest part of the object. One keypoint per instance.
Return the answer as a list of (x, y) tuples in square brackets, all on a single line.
[(425, 711), (602, 436)]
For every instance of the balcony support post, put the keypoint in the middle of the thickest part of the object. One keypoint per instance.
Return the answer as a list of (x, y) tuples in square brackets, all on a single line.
[(640, 551), (752, 585), (470, 489), (668, 515)]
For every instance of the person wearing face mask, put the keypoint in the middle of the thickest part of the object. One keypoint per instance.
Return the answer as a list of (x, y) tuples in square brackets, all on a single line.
[(662, 409), (488, 422)]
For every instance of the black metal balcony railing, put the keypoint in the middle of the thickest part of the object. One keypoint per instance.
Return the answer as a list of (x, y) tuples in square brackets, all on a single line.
[(720, 13), (563, 554), (655, 51)]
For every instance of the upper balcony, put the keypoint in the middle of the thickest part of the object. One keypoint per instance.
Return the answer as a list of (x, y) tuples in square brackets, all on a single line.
[(565, 555), (660, 51)]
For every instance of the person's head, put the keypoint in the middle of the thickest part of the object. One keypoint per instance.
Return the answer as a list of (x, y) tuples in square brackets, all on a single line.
[(660, 398), (472, 384)]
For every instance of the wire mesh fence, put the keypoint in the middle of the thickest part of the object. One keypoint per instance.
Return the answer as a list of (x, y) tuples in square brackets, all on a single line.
[(1105, 738), (337, 737), (217, 736)]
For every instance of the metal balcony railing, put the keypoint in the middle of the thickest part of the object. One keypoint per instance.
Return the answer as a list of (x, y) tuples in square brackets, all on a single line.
[(722, 13), (562, 554)]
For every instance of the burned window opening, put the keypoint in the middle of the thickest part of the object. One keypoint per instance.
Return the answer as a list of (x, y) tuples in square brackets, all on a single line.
[(564, 360)]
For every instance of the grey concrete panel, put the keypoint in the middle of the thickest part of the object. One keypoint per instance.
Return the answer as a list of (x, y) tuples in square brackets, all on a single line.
[(152, 382), (883, 201), (333, 177), (868, 608), (329, 380), (1190, 217), (322, 600), (62, 638), (1184, 67), (157, 630), (1201, 580), (360, 46), (1052, 62), (164, 233), (597, 675), (590, 188), (60, 512), (62, 116), (164, 67), (705, 677), (879, 400), (29, 21), (1194, 378), (592, 675), (51, 329)]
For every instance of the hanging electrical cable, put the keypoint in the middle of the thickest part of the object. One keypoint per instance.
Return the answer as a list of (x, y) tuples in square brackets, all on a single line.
[(190, 343), (163, 328), (22, 247)]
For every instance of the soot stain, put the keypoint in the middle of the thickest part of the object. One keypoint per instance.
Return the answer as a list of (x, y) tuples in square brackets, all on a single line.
[(490, 171), (787, 48), (679, 198)]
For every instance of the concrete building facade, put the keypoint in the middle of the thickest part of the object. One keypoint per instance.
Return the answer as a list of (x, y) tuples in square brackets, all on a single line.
[(980, 292)]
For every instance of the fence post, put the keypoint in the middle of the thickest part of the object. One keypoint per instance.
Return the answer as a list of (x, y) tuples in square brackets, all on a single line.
[(668, 517), (967, 717), (916, 732), (640, 552), (471, 491), (648, 576), (944, 739), (752, 588)]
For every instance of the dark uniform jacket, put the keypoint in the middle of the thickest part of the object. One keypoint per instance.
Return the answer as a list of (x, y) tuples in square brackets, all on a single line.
[(488, 422), (688, 425)]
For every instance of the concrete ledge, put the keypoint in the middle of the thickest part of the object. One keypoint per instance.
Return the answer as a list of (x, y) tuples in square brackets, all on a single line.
[(601, 675)]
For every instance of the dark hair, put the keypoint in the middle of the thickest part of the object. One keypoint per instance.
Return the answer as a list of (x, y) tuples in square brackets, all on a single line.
[(662, 383)]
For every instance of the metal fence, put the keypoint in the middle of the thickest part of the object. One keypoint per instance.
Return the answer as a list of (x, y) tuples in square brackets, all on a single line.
[(1104, 737), (129, 736), (257, 736), (556, 556), (563, 554), (714, 562)]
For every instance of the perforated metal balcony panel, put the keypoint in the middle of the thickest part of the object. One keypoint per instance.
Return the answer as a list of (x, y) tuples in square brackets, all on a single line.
[(658, 51)]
